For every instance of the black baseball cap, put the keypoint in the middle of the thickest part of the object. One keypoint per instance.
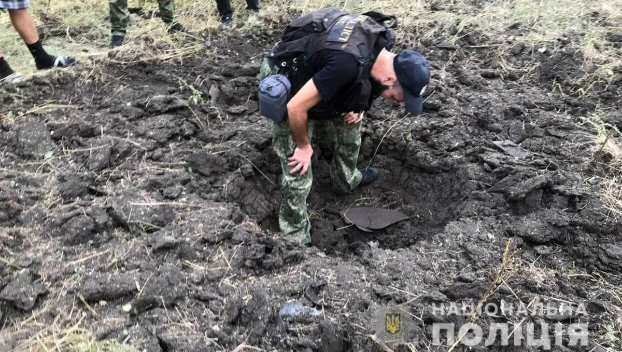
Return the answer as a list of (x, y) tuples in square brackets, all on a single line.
[(413, 73)]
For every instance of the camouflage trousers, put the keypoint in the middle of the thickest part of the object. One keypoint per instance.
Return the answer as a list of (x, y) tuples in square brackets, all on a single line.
[(120, 16), (343, 138)]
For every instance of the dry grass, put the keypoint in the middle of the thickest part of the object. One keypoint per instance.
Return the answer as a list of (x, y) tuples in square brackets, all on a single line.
[(54, 337), (82, 28), (606, 154), (606, 142), (503, 273), (612, 195)]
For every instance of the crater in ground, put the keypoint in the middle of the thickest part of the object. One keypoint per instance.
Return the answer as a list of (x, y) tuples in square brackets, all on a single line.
[(429, 199)]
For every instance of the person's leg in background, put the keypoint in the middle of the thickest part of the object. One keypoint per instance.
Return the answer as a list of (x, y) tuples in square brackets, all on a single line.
[(225, 12), (119, 18), (252, 5), (5, 69), (167, 12), (25, 26)]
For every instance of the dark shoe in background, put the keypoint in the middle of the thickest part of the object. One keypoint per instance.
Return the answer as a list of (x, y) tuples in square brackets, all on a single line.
[(227, 21), (117, 41), (178, 27)]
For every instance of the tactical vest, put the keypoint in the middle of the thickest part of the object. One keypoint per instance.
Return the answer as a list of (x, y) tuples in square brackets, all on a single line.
[(362, 36)]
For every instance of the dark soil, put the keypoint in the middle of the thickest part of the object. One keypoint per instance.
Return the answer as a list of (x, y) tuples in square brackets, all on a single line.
[(120, 189)]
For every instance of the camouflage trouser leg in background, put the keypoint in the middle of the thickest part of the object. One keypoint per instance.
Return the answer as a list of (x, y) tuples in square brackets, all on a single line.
[(345, 140), (167, 10), (119, 16)]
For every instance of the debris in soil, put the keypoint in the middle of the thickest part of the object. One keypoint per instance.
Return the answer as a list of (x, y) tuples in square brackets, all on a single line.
[(369, 219), (140, 212), (102, 286), (165, 242), (23, 291), (312, 293), (447, 45), (237, 110), (294, 311), (32, 140), (512, 148)]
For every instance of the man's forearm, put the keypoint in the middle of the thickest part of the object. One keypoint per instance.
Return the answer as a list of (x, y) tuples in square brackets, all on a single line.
[(297, 112), (298, 126)]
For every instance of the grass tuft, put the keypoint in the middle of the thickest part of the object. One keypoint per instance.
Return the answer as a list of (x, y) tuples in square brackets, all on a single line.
[(606, 146), (70, 339), (606, 151)]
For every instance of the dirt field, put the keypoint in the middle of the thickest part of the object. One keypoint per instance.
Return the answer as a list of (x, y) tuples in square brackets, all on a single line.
[(138, 203)]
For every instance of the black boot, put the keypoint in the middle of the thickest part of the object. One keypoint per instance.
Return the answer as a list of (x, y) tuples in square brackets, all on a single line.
[(227, 21), (117, 41), (177, 27), (370, 174)]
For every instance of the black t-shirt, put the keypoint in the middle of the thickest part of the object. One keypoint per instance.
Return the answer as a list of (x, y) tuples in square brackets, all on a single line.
[(334, 72)]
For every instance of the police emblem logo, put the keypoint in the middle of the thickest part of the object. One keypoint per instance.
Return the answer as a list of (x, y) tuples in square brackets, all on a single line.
[(393, 325), (342, 30)]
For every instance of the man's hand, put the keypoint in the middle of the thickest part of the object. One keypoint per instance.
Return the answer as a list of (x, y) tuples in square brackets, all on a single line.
[(301, 160), (352, 117)]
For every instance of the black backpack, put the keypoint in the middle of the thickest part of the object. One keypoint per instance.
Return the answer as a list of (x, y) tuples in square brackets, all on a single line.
[(362, 36)]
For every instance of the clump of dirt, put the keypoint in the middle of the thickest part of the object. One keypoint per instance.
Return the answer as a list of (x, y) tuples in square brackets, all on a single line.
[(148, 215)]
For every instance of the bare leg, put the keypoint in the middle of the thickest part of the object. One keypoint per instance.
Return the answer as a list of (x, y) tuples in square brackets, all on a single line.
[(25, 26)]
